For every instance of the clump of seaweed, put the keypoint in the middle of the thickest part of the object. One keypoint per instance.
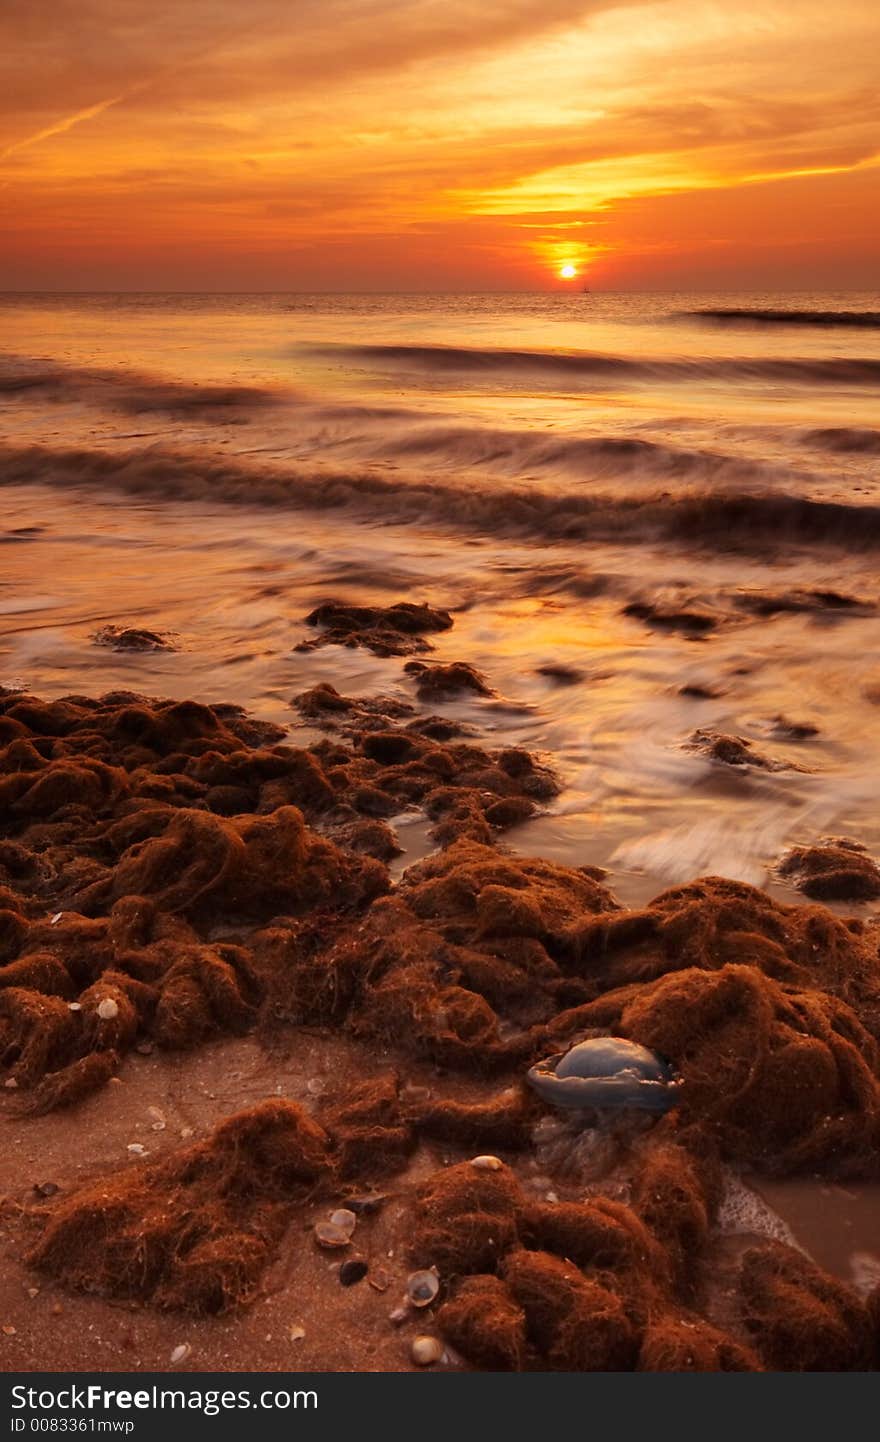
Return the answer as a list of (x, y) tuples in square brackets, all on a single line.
[(196, 1231), (834, 870), (397, 630)]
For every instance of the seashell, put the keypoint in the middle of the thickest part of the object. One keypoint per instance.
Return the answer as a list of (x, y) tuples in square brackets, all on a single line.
[(328, 1234), (606, 1071), (108, 1008), (344, 1219), (425, 1351), (353, 1270), (181, 1352), (365, 1205), (487, 1164), (422, 1288)]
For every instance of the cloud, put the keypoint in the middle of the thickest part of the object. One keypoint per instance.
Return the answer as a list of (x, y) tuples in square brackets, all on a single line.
[(278, 130)]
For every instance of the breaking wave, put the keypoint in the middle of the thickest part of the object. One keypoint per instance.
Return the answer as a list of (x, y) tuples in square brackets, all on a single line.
[(844, 439), (751, 315), (730, 519), (129, 391), (835, 370)]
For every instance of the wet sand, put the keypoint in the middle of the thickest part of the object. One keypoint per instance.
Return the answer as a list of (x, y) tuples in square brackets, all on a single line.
[(346, 1329)]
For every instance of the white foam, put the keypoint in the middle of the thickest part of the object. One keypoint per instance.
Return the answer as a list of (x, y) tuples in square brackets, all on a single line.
[(742, 1210), (865, 1270)]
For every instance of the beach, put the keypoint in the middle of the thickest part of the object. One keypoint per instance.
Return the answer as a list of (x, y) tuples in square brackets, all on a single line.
[(396, 692)]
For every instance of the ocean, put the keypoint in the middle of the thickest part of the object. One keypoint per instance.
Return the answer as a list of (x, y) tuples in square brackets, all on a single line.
[(655, 519)]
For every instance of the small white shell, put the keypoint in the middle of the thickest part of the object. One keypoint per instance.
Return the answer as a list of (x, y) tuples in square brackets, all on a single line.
[(422, 1288), (327, 1234), (181, 1352), (487, 1163), (425, 1351), (344, 1219), (108, 1008)]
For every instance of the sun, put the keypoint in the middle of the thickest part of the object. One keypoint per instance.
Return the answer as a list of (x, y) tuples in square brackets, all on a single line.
[(567, 272)]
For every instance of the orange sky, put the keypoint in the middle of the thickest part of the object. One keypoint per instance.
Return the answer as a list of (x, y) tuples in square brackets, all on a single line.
[(438, 144)]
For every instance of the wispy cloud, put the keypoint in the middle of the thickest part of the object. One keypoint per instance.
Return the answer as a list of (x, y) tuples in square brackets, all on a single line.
[(60, 127)]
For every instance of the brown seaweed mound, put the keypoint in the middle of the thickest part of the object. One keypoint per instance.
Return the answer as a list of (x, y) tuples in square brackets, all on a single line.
[(143, 824), (132, 638), (194, 1232), (446, 682), (467, 940), (733, 751), (370, 1136), (801, 1319), (397, 630), (574, 1286), (689, 1344), (686, 618), (713, 922), (835, 870)]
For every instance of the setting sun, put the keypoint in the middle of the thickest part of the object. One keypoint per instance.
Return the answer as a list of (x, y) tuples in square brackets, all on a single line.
[(567, 272)]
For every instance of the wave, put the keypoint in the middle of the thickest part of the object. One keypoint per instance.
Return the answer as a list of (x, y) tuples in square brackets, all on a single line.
[(528, 452), (836, 370), (133, 392), (844, 439), (751, 315), (736, 520)]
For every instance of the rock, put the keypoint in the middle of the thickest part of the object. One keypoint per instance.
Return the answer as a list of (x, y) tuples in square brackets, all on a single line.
[(425, 1351), (561, 675)]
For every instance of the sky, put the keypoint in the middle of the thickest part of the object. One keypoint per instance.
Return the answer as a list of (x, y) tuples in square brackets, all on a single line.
[(438, 145)]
